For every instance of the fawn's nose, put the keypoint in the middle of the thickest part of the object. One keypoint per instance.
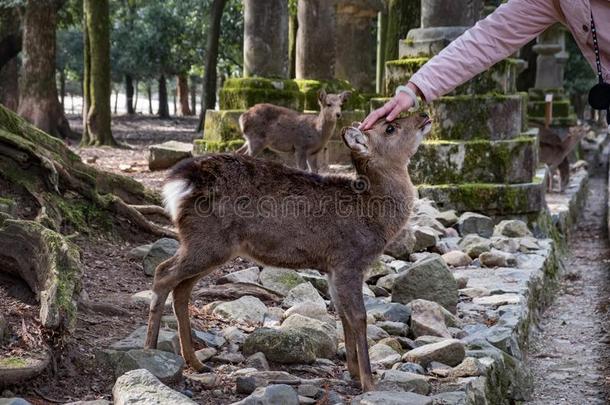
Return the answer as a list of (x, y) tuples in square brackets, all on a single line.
[(424, 115), (338, 115)]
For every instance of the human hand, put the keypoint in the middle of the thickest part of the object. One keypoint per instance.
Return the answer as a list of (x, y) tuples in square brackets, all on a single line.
[(399, 103)]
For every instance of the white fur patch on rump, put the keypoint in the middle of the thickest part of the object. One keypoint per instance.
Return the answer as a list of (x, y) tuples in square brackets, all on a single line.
[(174, 192)]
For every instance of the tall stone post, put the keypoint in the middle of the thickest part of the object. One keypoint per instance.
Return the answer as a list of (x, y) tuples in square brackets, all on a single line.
[(550, 65), (266, 38), (355, 42), (316, 40), (479, 155)]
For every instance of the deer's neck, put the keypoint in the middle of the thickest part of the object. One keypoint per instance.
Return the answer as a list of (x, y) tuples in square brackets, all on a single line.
[(325, 127)]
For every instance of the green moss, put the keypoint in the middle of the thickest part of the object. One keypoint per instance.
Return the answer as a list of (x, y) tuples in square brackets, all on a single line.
[(13, 362), (310, 89), (203, 146), (561, 108), (244, 98), (243, 83), (222, 125)]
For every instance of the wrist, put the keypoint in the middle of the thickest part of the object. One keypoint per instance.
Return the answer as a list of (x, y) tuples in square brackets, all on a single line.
[(410, 93)]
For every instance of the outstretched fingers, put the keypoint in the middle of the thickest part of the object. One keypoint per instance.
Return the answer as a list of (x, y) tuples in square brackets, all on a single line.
[(377, 114)]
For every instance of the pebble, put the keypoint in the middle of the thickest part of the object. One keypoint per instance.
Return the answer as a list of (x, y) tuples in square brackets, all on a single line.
[(450, 352)]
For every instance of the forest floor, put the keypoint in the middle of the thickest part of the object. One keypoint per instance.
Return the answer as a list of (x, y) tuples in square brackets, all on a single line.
[(570, 356)]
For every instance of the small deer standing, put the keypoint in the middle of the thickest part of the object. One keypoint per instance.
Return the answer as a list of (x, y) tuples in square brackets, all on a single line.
[(284, 130), (341, 227)]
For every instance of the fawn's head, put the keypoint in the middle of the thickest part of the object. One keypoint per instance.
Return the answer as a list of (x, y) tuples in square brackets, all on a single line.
[(331, 104), (387, 145)]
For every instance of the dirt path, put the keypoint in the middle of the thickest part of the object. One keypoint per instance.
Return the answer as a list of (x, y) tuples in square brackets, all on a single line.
[(570, 357)]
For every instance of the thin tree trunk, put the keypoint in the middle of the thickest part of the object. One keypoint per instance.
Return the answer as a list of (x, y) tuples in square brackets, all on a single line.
[(293, 26), (183, 95), (208, 99), (193, 90), (163, 111), (98, 117), (62, 88), (116, 101), (129, 94), (38, 100), (149, 92), (135, 103)]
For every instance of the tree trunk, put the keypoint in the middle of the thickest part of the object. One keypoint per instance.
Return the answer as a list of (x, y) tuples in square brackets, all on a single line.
[(38, 100), (9, 84), (403, 15), (183, 95), (129, 94), (193, 90), (97, 62), (163, 111), (293, 27), (135, 103), (208, 99), (10, 35), (149, 92)]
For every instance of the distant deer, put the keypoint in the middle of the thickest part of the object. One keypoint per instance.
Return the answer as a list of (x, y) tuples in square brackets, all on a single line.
[(284, 130), (341, 227), (554, 151)]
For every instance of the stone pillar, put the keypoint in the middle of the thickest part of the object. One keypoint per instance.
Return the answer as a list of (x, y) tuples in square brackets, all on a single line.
[(355, 43), (315, 57), (266, 38), (549, 74)]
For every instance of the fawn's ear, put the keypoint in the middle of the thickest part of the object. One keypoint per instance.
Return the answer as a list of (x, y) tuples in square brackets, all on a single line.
[(356, 140), (322, 96), (345, 95)]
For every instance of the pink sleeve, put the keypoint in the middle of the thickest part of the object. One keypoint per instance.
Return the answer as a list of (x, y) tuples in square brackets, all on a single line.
[(491, 40)]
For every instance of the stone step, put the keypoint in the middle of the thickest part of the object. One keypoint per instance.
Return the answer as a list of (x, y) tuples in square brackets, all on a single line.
[(469, 117), (491, 198), (242, 93), (500, 78), (446, 162)]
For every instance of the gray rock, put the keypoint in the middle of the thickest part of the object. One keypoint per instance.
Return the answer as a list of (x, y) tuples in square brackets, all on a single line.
[(451, 397), (205, 354), (391, 398), (428, 279), (160, 251), (387, 311), (377, 270), (164, 365), (383, 355), (272, 395), (450, 352), (474, 245), (304, 292), (168, 340), (280, 279), (316, 279), (395, 380), (256, 379), (145, 297), (447, 245), (139, 252), (427, 318), (457, 258), (282, 346), (310, 390), (474, 292), (469, 367), (258, 361), (14, 401), (470, 222), (408, 367), (209, 339), (497, 258), (323, 334), (387, 282), (508, 245), (513, 228), (398, 265), (229, 358), (92, 402), (402, 245), (207, 381), (394, 328), (426, 340), (234, 335), (375, 333), (311, 310), (165, 155), (428, 221), (244, 309), (143, 388), (447, 218), (249, 275), (425, 237)]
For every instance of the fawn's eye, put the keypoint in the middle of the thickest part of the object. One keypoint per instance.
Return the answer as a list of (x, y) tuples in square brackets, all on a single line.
[(329, 105), (389, 130)]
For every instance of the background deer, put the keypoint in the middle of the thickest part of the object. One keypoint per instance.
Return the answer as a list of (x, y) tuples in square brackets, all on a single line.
[(342, 238), (554, 151), (284, 130)]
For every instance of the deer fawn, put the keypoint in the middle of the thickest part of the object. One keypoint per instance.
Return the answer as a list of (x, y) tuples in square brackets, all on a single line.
[(285, 130), (337, 224)]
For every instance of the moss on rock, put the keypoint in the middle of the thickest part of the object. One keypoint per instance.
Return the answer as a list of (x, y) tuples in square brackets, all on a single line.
[(310, 89), (243, 93)]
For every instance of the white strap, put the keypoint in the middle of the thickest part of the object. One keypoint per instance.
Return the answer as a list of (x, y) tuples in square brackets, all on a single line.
[(410, 93)]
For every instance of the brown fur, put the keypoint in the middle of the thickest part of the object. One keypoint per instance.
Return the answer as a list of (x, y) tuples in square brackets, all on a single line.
[(338, 242), (284, 130), (554, 151)]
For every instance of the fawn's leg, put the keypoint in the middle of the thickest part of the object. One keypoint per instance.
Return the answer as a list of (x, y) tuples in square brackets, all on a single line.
[(255, 147), (349, 291), (301, 158), (163, 282), (182, 294), (243, 149), (312, 162), (564, 174), (350, 343)]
